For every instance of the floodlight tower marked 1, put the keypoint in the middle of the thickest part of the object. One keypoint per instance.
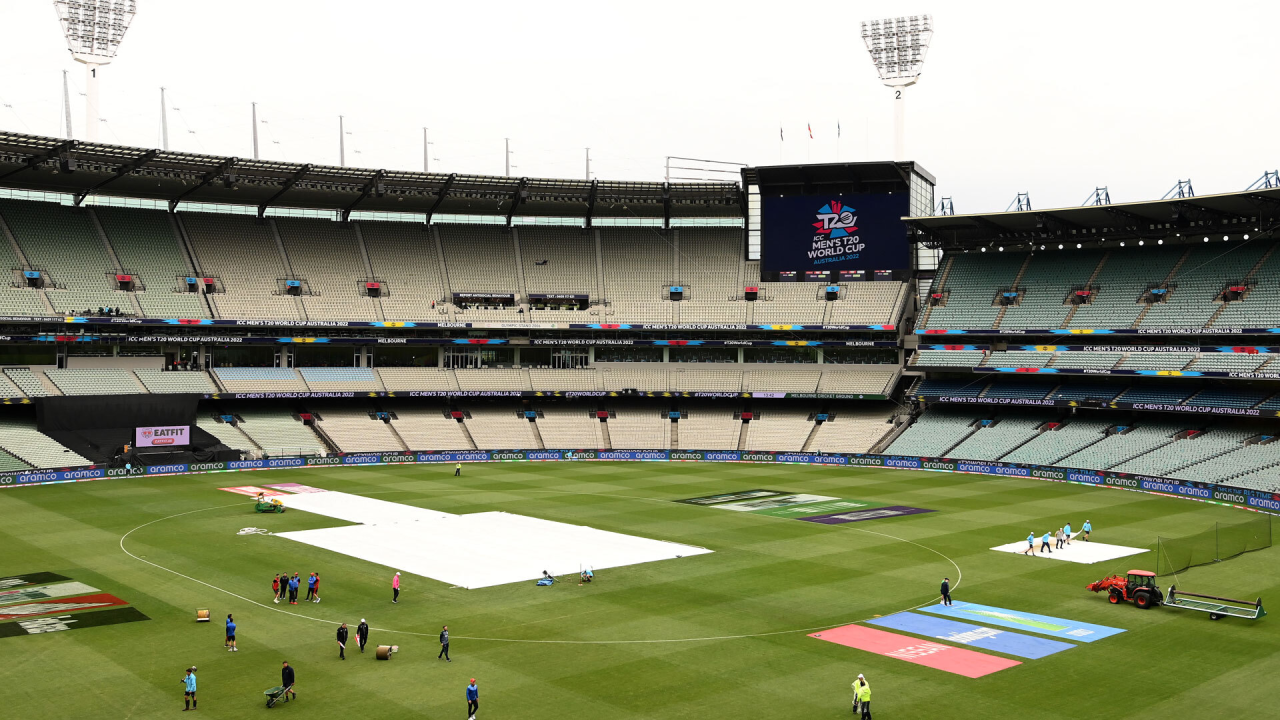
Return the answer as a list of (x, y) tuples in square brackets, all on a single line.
[(898, 47), (94, 29)]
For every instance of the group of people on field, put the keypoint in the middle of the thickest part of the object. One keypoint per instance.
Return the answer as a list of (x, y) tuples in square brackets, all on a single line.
[(1061, 538), (284, 586)]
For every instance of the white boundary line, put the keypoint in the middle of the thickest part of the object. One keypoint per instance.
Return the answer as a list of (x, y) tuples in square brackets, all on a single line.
[(959, 578)]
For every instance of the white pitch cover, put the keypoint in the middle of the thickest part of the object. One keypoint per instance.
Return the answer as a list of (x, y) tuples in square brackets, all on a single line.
[(470, 551)]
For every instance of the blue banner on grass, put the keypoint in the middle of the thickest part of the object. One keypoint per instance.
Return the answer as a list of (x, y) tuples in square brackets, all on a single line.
[(1010, 643), (1030, 622)]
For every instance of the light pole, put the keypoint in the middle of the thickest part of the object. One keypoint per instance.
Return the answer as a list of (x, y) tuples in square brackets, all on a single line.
[(426, 152), (897, 47), (164, 124), (342, 144), (94, 29), (588, 163), (506, 157)]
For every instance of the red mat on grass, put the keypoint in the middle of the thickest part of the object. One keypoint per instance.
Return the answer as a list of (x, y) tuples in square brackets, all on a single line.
[(921, 652)]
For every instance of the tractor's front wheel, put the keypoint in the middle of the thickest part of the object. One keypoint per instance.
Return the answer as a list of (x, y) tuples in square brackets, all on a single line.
[(1143, 600), (1116, 597)]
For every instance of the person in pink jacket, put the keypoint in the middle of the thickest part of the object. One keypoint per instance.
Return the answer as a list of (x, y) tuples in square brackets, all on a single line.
[(395, 588)]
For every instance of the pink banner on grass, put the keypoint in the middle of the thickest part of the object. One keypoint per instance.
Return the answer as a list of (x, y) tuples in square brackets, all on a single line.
[(252, 491), (296, 488), (921, 652)]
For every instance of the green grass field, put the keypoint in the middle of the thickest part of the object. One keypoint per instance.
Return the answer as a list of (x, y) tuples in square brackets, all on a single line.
[(768, 582)]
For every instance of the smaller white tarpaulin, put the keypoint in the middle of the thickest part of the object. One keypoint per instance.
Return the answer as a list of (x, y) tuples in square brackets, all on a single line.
[(1079, 551)]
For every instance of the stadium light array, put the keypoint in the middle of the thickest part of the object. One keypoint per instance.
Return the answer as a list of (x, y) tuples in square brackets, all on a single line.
[(94, 30), (898, 47)]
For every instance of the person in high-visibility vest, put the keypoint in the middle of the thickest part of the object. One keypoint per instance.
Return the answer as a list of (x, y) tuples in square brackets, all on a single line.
[(864, 697)]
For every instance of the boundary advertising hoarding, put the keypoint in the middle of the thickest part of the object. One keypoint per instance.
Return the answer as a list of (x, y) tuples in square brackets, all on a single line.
[(1244, 498)]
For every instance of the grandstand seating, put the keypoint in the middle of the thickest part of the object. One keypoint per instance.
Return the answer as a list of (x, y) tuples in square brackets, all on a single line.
[(327, 256), (7, 388), (1118, 448), (558, 260), (949, 358), (852, 429), (353, 430), (1229, 362), (1120, 284), (64, 242), (858, 379), (100, 381), (868, 303), (247, 379), (971, 284), (935, 432), (243, 254), (21, 440), (10, 463), (25, 379), (795, 379), (278, 433), (1261, 306), (1187, 451), (708, 426), (15, 298), (1051, 446), (227, 434), (994, 441), (147, 246), (1019, 358), (1030, 389), (342, 379), (638, 426), (416, 378), (404, 256), (1086, 360), (780, 427), (428, 427), (499, 426), (1156, 360), (161, 381), (570, 426), (1049, 279), (1204, 274)]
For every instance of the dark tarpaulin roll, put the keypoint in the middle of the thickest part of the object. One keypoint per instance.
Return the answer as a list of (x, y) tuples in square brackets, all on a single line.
[(94, 412)]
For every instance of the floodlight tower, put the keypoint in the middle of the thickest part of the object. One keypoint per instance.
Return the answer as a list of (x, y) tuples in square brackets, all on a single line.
[(94, 29), (898, 47)]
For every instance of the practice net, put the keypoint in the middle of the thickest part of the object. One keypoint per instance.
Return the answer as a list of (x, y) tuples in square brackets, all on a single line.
[(1221, 542)]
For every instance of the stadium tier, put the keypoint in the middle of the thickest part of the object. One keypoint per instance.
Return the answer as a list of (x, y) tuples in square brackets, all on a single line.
[(1185, 286)]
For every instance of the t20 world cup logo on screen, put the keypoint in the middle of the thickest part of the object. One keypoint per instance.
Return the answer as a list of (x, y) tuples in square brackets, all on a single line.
[(836, 220)]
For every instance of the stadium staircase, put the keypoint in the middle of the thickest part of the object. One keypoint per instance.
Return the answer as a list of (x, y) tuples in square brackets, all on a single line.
[(180, 230), (368, 269), (466, 433), (742, 436), (1017, 279), (1164, 284), (1088, 285), (136, 308), (675, 435), (936, 286), (604, 435), (1247, 281), (537, 435), (324, 438), (813, 435)]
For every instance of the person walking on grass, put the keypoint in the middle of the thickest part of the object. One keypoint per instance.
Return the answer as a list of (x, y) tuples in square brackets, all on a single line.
[(864, 696), (1031, 544), (311, 586), (362, 634), (1086, 529), (444, 644), (1059, 540), (189, 691), (946, 591), (1044, 544), (294, 583), (275, 589), (231, 634), (1066, 532), (473, 700), (342, 641), (315, 587), (395, 588), (287, 681)]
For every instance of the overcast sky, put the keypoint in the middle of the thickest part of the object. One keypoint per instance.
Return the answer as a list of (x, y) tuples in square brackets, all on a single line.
[(1047, 98)]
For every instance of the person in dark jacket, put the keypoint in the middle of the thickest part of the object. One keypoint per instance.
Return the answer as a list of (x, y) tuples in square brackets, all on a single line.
[(342, 642), (287, 681), (444, 644), (946, 591), (362, 633)]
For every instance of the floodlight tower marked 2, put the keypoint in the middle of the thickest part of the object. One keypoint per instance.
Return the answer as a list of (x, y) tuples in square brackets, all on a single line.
[(898, 47), (94, 29)]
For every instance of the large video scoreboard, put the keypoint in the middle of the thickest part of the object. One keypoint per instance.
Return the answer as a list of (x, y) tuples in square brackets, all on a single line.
[(839, 220)]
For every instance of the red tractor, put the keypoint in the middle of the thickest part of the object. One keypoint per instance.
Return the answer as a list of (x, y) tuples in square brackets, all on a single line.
[(1139, 588)]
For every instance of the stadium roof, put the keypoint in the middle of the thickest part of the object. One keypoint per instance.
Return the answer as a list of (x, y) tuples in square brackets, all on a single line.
[(1254, 212), (33, 162)]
